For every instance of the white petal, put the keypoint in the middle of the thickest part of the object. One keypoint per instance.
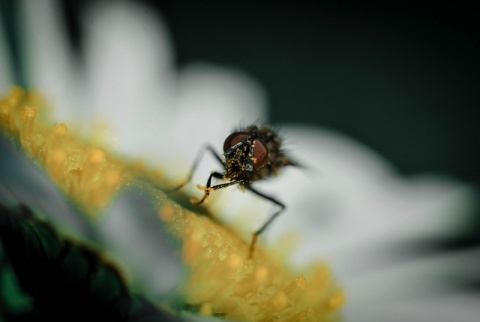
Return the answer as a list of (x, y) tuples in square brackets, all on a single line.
[(419, 289), (352, 199), (130, 70), (6, 78), (447, 307), (212, 102), (50, 65), (21, 181), (356, 213), (314, 191), (137, 238)]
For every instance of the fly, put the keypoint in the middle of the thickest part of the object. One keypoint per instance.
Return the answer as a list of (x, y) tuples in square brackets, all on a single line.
[(250, 154)]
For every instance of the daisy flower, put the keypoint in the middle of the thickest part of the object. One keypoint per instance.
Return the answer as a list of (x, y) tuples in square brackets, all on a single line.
[(130, 124)]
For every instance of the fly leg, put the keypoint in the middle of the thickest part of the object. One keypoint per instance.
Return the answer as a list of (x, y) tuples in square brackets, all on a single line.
[(209, 188), (267, 223), (198, 158)]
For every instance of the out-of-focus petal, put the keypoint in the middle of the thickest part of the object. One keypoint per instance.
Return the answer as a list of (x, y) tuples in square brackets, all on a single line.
[(352, 199), (22, 182), (412, 287), (452, 306), (51, 68), (6, 74), (133, 232), (412, 277), (212, 102), (358, 214), (129, 65)]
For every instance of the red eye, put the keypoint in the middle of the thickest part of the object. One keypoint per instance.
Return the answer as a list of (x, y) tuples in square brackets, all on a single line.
[(260, 151), (233, 139), (260, 154)]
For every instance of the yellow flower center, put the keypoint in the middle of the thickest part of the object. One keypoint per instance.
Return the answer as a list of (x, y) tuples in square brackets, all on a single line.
[(222, 280)]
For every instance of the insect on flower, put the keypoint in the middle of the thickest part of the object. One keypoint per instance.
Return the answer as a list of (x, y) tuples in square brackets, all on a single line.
[(250, 154)]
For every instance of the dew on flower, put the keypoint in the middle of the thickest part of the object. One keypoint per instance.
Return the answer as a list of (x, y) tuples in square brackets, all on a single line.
[(234, 261), (56, 163), (206, 309), (261, 273), (222, 280), (336, 300), (166, 212), (279, 301), (28, 118)]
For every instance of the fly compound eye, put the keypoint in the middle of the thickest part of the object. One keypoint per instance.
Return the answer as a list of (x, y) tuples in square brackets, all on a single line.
[(260, 154), (259, 150), (234, 139)]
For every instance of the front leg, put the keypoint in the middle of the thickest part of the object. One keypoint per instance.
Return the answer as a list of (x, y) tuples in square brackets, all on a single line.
[(209, 188)]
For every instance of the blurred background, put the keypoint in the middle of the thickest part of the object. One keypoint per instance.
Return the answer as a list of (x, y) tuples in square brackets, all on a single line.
[(402, 78)]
